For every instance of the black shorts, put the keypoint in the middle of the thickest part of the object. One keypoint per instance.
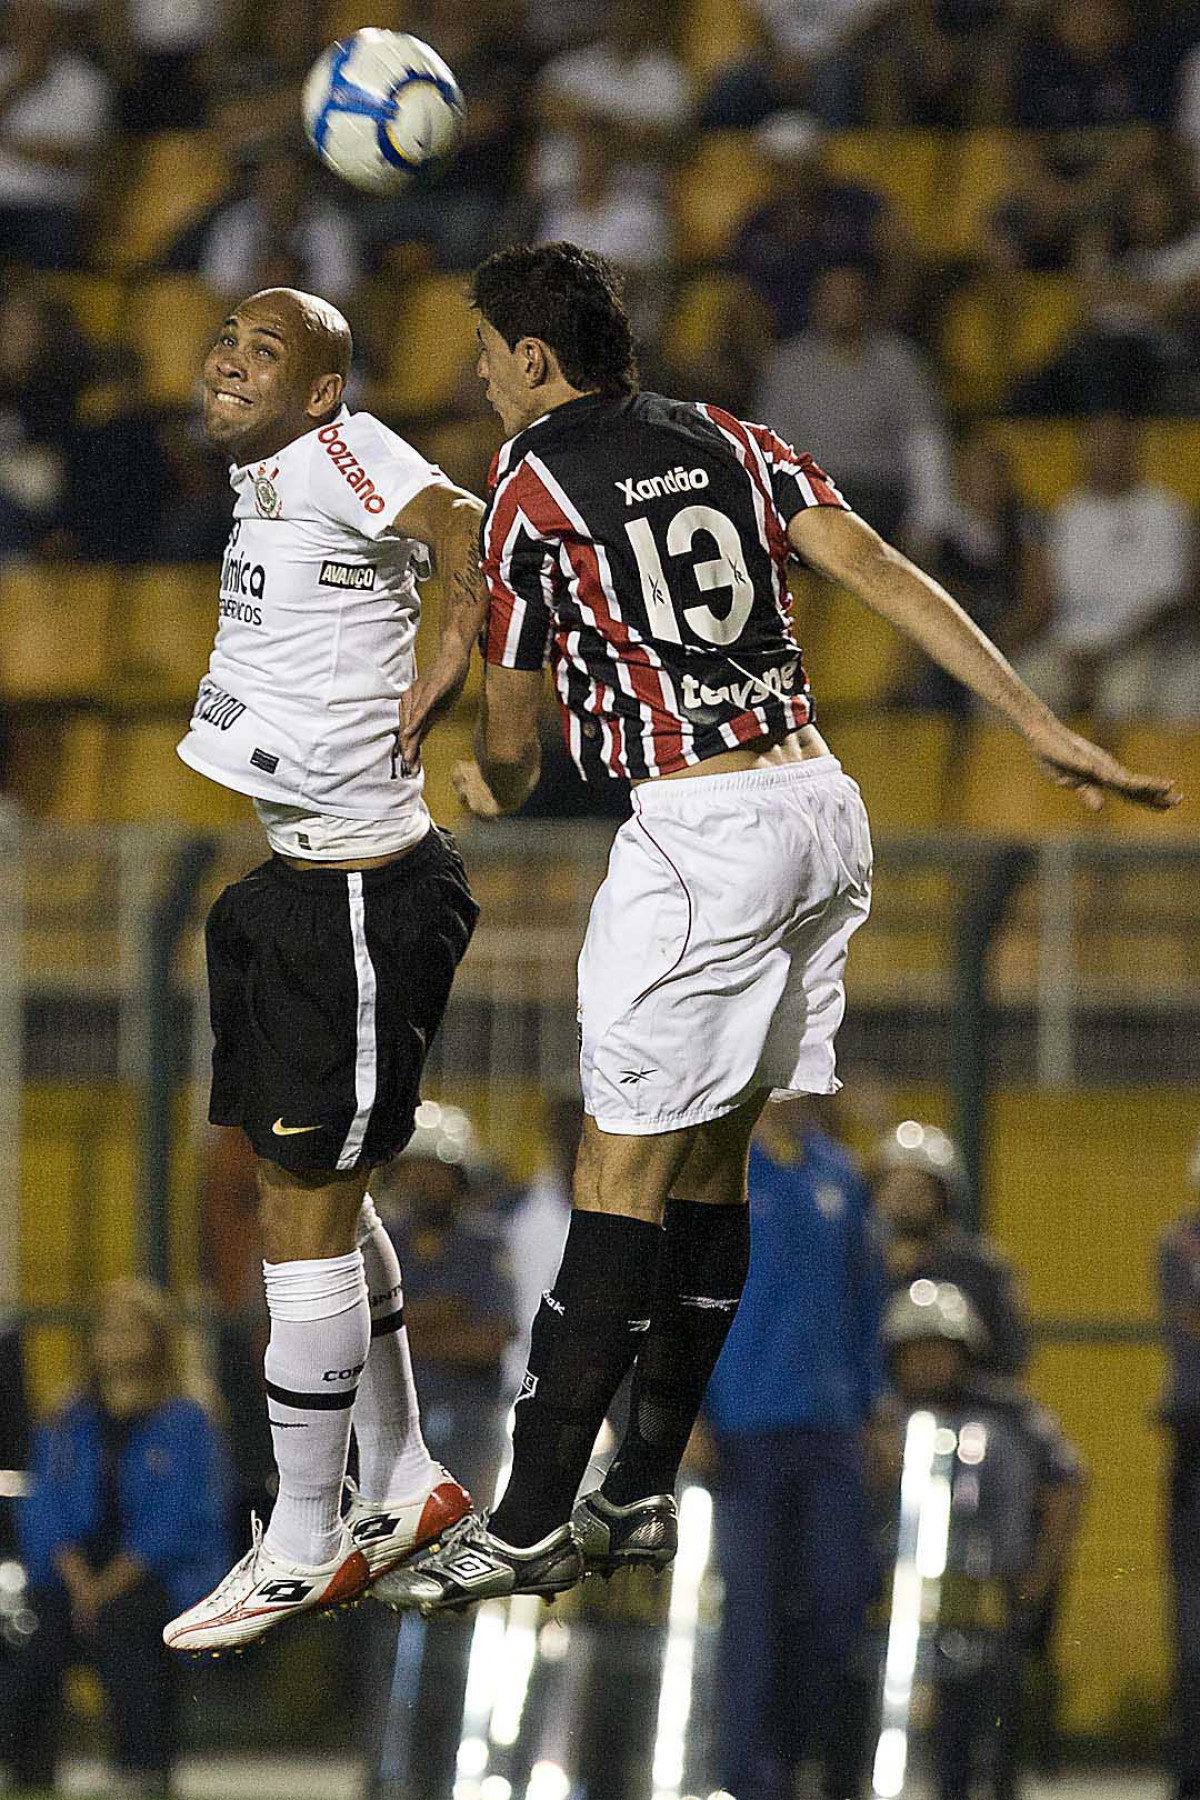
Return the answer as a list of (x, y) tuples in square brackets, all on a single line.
[(326, 988)]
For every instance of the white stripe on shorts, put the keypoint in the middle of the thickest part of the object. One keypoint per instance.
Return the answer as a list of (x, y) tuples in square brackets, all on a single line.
[(365, 1065)]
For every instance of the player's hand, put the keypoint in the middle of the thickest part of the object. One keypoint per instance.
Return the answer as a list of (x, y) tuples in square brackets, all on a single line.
[(429, 699), (474, 791), (1072, 761)]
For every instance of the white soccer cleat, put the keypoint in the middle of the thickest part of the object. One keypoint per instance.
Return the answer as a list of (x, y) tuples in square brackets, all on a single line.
[(388, 1532), (261, 1590)]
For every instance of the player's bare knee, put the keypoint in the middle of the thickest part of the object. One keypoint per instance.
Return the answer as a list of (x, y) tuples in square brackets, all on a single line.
[(304, 1216), (625, 1174), (715, 1170)]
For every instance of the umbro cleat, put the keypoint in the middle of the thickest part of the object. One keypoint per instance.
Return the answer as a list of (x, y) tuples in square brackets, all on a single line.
[(388, 1532), (263, 1589), (612, 1537), (470, 1564)]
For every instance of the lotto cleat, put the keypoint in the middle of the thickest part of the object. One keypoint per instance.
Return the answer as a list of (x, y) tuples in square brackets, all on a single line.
[(471, 1564), (389, 1532), (263, 1589), (612, 1537)]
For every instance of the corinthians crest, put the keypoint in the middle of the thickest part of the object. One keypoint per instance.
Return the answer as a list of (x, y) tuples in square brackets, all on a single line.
[(266, 495)]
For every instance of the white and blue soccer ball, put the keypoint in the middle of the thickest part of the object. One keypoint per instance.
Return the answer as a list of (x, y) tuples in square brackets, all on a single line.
[(379, 107)]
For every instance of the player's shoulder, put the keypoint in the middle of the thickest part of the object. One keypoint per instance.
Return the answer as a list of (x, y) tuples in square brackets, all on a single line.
[(362, 431)]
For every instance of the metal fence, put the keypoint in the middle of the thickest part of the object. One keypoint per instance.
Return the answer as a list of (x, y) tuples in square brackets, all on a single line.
[(1054, 965)]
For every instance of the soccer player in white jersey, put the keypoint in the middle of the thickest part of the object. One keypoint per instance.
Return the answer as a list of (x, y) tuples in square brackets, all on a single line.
[(641, 544), (331, 964)]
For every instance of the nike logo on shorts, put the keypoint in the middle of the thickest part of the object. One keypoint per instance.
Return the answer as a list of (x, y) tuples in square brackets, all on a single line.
[(282, 1130)]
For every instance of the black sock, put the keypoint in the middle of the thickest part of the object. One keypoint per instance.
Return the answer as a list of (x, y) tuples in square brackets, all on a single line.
[(586, 1334), (706, 1252)]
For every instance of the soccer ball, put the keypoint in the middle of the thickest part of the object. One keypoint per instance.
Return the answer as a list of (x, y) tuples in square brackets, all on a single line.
[(380, 106)]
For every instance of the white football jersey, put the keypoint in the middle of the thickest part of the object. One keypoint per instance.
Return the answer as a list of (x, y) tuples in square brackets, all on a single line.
[(318, 614)]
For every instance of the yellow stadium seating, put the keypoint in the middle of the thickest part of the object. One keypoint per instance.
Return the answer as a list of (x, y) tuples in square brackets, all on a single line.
[(851, 654), (168, 617), (909, 167), (178, 175), (97, 301), (703, 311), (714, 33), (147, 782), (432, 350), (999, 789), (342, 17), (171, 329), (55, 625), (997, 330), (977, 180), (901, 761), (724, 180), (1047, 455), (1172, 455)]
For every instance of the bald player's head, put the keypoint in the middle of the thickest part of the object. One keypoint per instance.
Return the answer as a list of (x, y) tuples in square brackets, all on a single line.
[(320, 330), (278, 368)]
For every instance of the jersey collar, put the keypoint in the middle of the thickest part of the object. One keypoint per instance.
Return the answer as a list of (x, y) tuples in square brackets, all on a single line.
[(241, 472)]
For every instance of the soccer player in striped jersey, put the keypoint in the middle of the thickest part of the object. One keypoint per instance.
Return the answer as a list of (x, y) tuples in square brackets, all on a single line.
[(641, 544), (330, 965)]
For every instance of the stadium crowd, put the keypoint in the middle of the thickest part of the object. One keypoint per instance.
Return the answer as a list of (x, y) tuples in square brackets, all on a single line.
[(883, 225)]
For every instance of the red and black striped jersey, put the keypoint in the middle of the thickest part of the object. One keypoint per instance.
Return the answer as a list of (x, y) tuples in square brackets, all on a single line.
[(640, 544)]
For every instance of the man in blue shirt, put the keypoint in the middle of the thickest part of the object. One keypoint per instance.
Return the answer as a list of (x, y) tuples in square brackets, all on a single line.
[(789, 1404)]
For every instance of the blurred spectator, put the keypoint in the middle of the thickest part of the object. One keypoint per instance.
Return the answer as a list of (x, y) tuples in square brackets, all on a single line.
[(257, 94), (991, 555), (932, 64), (862, 401), (1087, 83), (1122, 640), (1016, 1500), (918, 1181), (126, 1523), (806, 60), (458, 214), (537, 1225), (1101, 64), (193, 525), (161, 52), (811, 222), (141, 485), (44, 364), (629, 226), (629, 80), (789, 1405), (458, 1295), (286, 231), (55, 112), (1179, 1301), (1121, 359)]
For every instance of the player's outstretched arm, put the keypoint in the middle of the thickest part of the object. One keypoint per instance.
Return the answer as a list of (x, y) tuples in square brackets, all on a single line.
[(508, 757), (446, 520), (842, 546)]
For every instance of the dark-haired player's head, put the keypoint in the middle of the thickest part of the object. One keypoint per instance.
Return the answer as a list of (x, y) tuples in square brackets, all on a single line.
[(278, 368), (552, 326)]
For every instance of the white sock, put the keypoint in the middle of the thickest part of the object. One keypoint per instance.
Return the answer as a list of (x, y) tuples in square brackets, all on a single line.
[(393, 1463), (320, 1335)]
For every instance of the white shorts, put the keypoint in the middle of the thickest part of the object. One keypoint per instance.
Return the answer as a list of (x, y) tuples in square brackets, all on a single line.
[(716, 946)]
